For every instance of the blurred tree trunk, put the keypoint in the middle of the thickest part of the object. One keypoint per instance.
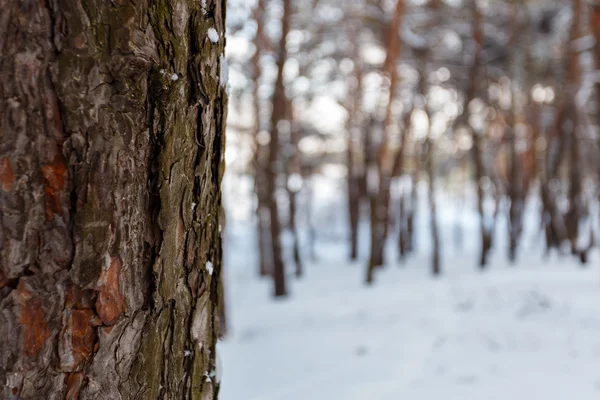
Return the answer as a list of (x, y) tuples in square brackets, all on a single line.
[(309, 206), (259, 156), (477, 138), (429, 164), (513, 117), (380, 198), (572, 127), (293, 184), (112, 121), (398, 172), (278, 114), (353, 127)]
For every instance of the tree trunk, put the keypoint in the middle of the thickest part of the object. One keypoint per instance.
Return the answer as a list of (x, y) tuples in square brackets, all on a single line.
[(258, 161), (429, 165), (575, 212), (380, 197), (112, 117), (277, 115), (477, 147), (435, 236), (293, 186), (398, 172), (353, 126)]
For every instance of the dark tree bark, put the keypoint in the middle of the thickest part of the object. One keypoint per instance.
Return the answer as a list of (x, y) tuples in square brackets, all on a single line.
[(278, 114), (112, 118)]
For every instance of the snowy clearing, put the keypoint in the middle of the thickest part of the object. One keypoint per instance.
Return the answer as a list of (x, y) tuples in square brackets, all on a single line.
[(526, 332)]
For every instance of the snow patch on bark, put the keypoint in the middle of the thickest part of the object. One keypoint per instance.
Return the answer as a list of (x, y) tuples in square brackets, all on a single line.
[(213, 35)]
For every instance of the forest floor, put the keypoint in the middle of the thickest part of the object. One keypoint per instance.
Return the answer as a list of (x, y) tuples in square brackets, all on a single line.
[(530, 331)]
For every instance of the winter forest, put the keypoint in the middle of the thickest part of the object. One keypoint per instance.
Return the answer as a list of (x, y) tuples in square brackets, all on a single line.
[(411, 200)]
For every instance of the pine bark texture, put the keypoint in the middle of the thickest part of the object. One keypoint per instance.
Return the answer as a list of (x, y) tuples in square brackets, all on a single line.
[(112, 118)]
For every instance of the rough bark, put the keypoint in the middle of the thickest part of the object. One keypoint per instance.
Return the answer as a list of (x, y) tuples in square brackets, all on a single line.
[(112, 118), (278, 114)]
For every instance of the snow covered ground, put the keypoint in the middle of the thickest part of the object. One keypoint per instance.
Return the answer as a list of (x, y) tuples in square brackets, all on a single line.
[(531, 331)]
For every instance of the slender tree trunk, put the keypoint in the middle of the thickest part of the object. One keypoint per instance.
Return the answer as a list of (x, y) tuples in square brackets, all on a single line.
[(112, 116), (312, 232), (435, 236), (353, 126), (410, 217), (575, 212), (398, 172), (294, 229), (429, 164), (258, 161), (477, 147), (513, 116), (278, 114), (515, 193), (293, 179), (380, 198)]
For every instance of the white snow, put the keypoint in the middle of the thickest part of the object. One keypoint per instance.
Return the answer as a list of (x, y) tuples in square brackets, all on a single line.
[(523, 332), (213, 35), (224, 73), (209, 267)]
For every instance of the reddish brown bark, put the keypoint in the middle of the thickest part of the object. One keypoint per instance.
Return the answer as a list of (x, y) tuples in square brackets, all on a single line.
[(379, 200)]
